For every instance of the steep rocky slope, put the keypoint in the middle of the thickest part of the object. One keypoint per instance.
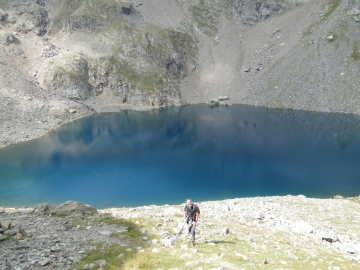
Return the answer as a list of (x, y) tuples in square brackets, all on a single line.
[(60, 60)]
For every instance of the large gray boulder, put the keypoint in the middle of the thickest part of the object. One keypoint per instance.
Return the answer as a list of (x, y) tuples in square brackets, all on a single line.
[(73, 208), (68, 208)]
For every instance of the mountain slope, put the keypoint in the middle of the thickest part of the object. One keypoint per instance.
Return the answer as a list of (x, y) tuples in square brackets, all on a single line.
[(73, 58)]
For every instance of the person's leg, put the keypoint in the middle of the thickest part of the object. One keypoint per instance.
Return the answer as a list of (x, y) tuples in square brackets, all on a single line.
[(192, 233)]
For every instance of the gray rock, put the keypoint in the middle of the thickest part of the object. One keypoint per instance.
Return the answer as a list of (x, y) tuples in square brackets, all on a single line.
[(214, 102), (7, 39), (2, 211), (101, 262), (330, 237), (44, 262), (330, 38), (3, 15), (5, 224), (222, 98), (226, 231), (106, 233), (126, 7), (11, 232), (2, 237), (73, 208)]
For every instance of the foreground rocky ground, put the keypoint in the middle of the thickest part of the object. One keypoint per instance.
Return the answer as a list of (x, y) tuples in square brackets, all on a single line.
[(290, 232)]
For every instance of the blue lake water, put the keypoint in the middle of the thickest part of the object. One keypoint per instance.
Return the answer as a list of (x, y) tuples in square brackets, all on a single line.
[(136, 158)]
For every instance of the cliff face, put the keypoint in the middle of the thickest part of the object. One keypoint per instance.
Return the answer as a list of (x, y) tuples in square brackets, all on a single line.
[(91, 55)]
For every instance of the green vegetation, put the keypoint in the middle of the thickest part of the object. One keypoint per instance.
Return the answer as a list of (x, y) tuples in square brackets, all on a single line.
[(115, 255), (356, 51), (205, 17), (329, 6)]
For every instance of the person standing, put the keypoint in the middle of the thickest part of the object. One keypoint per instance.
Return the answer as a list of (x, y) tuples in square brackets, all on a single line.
[(191, 217)]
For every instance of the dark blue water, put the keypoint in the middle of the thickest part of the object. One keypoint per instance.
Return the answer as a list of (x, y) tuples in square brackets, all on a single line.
[(164, 156)]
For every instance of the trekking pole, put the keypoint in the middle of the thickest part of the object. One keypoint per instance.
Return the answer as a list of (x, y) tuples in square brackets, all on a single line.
[(178, 233)]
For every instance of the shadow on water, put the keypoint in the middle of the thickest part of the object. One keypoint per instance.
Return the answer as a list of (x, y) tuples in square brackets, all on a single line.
[(163, 156)]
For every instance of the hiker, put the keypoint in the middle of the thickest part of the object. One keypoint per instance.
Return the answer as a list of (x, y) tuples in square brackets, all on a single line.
[(191, 217)]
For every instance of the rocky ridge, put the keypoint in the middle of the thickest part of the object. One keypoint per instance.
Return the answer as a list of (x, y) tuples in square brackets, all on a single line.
[(245, 233)]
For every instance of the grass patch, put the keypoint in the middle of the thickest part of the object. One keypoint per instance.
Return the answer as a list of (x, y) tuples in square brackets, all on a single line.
[(116, 255), (356, 51)]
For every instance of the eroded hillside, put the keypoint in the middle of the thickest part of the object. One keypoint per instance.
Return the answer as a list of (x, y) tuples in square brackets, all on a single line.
[(60, 60)]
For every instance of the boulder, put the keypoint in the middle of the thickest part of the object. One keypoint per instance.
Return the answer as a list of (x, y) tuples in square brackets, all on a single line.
[(214, 102), (302, 227), (126, 7), (3, 15), (222, 98), (73, 208), (330, 38), (43, 208), (7, 39), (5, 224), (330, 237)]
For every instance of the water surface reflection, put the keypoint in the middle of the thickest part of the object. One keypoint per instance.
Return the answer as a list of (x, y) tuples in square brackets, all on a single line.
[(136, 158)]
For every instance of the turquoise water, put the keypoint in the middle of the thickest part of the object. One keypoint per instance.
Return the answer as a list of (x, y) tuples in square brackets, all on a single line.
[(164, 156)]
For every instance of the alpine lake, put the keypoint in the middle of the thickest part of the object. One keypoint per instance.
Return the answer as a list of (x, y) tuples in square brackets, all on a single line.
[(164, 156)]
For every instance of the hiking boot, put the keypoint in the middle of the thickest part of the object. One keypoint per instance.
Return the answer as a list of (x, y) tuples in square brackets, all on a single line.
[(192, 242)]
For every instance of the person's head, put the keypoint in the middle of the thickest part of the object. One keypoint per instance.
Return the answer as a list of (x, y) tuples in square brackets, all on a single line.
[(189, 202)]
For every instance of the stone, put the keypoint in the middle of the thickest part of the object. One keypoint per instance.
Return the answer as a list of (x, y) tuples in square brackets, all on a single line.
[(106, 233), (2, 237), (338, 197), (3, 15), (2, 211), (73, 208), (222, 98), (7, 39), (101, 262), (72, 111), (214, 102), (44, 262), (302, 227), (5, 224), (226, 231), (126, 7), (330, 38), (11, 232), (18, 236), (245, 258), (330, 237)]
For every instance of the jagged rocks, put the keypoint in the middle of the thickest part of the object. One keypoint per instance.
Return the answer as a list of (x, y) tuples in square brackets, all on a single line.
[(67, 75), (252, 12)]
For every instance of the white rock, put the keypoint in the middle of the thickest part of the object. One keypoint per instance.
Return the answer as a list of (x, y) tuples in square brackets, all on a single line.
[(302, 227), (154, 241), (155, 250), (245, 258)]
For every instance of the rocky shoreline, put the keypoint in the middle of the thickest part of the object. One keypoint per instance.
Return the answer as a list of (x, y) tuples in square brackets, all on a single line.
[(277, 231)]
